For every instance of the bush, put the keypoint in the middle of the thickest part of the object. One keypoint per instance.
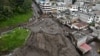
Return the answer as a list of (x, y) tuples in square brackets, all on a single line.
[(15, 20)]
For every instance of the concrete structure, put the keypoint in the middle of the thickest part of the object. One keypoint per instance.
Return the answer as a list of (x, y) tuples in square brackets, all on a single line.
[(73, 8), (79, 38), (85, 0), (97, 7), (79, 25), (46, 6), (61, 6), (68, 2), (86, 17), (96, 32), (54, 7), (97, 16)]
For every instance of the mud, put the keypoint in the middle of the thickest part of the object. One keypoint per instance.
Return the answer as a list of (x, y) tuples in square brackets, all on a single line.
[(47, 39), (95, 47)]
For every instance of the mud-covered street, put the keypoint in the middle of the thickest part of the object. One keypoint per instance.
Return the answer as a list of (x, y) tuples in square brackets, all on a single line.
[(95, 47)]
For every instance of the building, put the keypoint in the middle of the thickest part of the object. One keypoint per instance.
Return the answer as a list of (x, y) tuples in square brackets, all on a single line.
[(61, 6), (96, 32), (73, 8), (64, 19), (85, 0), (97, 7), (97, 16), (88, 18), (46, 6), (54, 7), (79, 40), (38, 1), (79, 25), (68, 2)]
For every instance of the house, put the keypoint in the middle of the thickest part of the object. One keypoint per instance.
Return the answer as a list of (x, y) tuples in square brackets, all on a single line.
[(79, 40), (97, 16), (97, 7), (88, 18), (40, 1), (64, 21), (79, 25), (73, 8), (61, 15), (66, 1), (96, 32), (65, 18), (61, 6), (86, 7), (46, 6), (54, 7), (74, 19), (85, 0)]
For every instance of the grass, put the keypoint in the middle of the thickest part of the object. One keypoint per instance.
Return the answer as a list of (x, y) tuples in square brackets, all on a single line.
[(13, 39), (15, 20)]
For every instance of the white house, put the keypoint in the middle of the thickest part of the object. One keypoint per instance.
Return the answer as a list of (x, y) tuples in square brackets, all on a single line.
[(97, 16), (61, 6), (97, 7), (54, 7), (68, 2), (85, 0), (46, 6), (61, 15), (73, 8), (85, 17)]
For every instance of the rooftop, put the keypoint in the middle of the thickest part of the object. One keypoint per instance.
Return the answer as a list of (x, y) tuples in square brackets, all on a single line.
[(81, 24)]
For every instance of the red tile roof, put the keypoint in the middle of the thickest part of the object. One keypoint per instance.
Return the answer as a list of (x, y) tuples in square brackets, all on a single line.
[(81, 24), (85, 47)]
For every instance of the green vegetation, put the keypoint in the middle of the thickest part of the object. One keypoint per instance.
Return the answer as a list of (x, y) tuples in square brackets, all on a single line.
[(13, 39), (17, 19), (12, 13), (9, 8)]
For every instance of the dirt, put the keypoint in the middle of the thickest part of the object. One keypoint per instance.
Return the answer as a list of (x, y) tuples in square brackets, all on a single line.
[(47, 39), (95, 47)]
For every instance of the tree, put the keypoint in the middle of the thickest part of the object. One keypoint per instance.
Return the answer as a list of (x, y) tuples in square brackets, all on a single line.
[(9, 8), (27, 5)]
